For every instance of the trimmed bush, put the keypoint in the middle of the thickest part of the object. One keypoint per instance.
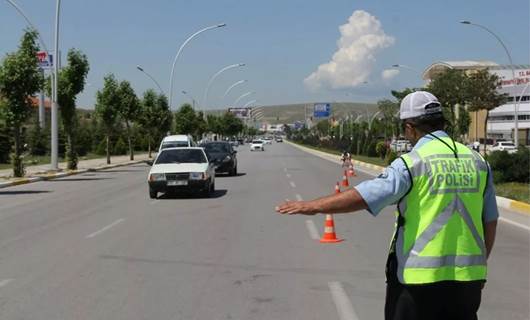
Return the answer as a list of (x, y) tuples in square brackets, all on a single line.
[(510, 167)]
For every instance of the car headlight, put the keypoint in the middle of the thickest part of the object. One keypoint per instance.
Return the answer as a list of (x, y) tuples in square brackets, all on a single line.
[(227, 159), (198, 176), (157, 177)]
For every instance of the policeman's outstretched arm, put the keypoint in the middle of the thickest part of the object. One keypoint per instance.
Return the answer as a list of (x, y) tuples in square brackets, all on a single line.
[(345, 202)]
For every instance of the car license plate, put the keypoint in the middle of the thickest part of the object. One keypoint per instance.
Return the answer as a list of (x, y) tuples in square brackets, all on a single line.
[(177, 183)]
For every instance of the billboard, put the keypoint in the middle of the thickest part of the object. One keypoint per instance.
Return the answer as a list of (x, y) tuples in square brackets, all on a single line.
[(241, 113), (45, 60), (322, 110)]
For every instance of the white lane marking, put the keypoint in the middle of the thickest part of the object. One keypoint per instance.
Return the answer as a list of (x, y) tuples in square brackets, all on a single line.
[(4, 282), (517, 224), (312, 229), (292, 184), (342, 302), (288, 175), (299, 197), (92, 235)]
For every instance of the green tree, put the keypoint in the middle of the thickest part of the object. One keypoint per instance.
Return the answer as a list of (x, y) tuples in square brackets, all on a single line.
[(107, 106), (230, 124), (483, 94), (72, 80), (128, 109), (185, 120), (389, 110), (451, 89), (20, 78), (212, 124), (155, 118)]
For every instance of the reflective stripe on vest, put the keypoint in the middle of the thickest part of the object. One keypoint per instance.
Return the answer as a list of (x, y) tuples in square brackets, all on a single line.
[(442, 186)]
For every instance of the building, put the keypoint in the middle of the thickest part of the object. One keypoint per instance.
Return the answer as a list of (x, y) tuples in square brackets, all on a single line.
[(501, 122)]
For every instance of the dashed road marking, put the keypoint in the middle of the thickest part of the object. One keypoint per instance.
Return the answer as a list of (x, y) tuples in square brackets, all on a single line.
[(92, 235), (342, 302), (292, 184), (312, 229)]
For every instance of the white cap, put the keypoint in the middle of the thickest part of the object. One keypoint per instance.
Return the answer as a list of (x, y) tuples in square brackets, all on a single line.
[(417, 104)]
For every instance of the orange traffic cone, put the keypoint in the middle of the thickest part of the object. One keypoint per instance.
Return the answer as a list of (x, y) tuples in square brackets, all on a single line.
[(337, 188), (351, 172), (345, 182), (329, 231)]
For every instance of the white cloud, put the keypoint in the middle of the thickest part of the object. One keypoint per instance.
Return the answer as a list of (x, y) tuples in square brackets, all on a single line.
[(388, 74), (361, 38)]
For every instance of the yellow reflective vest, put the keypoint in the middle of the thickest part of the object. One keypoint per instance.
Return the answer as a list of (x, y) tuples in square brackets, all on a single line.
[(439, 234)]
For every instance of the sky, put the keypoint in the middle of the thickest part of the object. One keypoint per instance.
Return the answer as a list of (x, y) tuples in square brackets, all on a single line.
[(294, 51)]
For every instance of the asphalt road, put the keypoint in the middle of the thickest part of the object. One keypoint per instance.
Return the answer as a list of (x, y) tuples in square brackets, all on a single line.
[(94, 246)]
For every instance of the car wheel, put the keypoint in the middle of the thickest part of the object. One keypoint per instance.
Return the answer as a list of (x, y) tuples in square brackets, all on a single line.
[(153, 194)]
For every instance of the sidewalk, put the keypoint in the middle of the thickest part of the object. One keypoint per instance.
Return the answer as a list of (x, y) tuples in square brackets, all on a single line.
[(42, 172), (371, 169)]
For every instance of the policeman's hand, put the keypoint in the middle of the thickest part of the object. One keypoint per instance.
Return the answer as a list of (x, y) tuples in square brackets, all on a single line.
[(297, 207)]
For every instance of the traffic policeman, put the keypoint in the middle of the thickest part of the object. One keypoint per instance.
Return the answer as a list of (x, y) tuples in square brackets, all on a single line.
[(446, 218)]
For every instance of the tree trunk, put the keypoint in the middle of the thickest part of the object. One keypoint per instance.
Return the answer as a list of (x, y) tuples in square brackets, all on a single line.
[(149, 147), (18, 165), (486, 129), (108, 149), (70, 152), (131, 152)]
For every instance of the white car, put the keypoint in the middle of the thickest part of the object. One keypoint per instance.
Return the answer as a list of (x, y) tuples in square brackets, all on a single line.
[(257, 145), (400, 146), (504, 146), (182, 169), (267, 140), (176, 141)]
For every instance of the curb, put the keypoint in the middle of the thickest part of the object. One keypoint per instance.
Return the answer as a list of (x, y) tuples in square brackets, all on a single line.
[(505, 203), (44, 177)]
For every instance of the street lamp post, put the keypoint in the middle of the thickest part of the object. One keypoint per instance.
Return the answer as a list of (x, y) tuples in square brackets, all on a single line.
[(151, 77), (249, 103), (193, 101), (516, 111), (233, 86), (402, 66), (55, 108), (242, 96), (214, 76), (180, 50)]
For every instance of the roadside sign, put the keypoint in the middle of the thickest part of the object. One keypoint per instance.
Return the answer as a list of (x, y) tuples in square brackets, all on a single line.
[(45, 60), (241, 113), (322, 110)]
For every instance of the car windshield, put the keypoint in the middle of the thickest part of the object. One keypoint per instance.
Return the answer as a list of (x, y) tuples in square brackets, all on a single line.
[(508, 144), (217, 147), (174, 144), (181, 156), (257, 142)]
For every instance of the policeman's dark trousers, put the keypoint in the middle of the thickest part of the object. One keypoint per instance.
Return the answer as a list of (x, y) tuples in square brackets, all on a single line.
[(448, 300)]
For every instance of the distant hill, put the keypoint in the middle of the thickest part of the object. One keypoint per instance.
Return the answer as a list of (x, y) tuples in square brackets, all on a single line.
[(295, 112)]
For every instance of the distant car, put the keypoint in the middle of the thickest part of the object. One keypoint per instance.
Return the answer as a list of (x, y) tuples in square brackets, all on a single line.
[(267, 140), (241, 141), (257, 145), (223, 155), (400, 146), (182, 169), (504, 146), (279, 139), (234, 143), (176, 141)]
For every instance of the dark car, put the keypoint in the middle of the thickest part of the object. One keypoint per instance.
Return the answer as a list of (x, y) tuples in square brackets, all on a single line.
[(223, 155)]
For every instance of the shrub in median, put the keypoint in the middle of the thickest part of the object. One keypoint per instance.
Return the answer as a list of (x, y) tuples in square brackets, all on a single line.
[(510, 167)]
